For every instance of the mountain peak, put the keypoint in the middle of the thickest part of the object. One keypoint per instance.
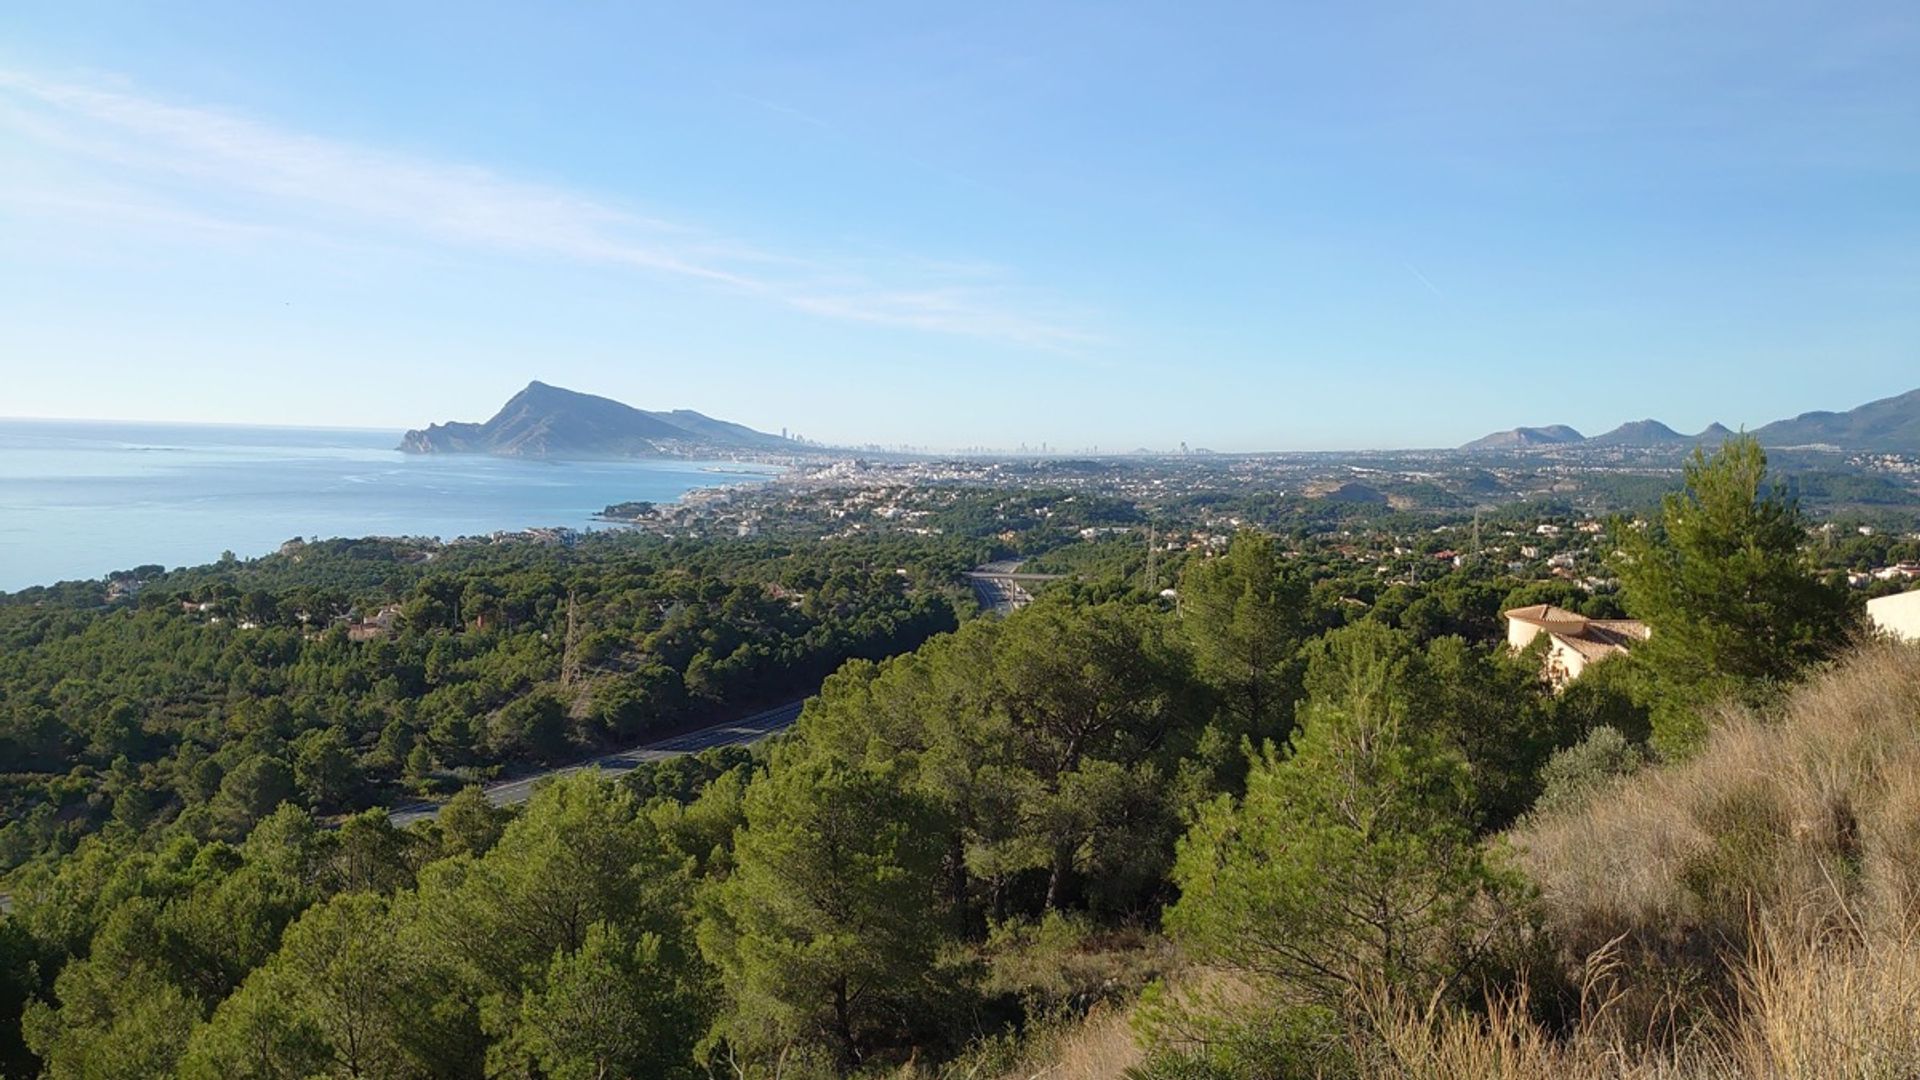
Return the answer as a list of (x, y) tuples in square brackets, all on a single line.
[(1640, 433), (549, 421), (1890, 424), (1521, 438)]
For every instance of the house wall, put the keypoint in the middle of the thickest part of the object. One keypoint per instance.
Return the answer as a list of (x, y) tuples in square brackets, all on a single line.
[(1564, 662), (1898, 615), (1520, 634)]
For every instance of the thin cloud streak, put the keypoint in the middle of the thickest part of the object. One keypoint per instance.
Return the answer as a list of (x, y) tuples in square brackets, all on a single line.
[(1431, 287), (228, 160)]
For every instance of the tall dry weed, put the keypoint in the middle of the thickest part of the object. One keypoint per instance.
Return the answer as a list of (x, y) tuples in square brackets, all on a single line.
[(1752, 912), (1805, 816)]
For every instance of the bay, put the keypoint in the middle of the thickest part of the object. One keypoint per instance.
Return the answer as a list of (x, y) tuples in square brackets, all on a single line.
[(79, 499)]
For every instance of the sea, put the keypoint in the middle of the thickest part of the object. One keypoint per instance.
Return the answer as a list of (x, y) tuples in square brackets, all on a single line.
[(80, 499)]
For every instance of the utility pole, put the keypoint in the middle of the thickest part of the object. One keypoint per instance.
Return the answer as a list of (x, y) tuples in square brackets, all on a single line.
[(1153, 576), (566, 650)]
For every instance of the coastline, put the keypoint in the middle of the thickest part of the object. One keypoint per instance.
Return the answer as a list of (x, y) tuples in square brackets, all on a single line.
[(99, 501)]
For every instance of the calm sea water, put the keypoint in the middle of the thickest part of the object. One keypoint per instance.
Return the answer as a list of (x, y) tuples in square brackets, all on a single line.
[(81, 499)]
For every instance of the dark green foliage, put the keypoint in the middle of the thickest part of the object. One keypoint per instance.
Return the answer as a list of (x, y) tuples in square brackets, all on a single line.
[(827, 929), (201, 890), (1485, 705), (614, 1007), (1245, 614), (236, 686), (469, 825), (1352, 862), (1723, 579), (1054, 740)]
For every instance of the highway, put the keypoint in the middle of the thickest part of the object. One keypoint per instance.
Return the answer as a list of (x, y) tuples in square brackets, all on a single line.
[(732, 733), (1001, 588), (513, 792)]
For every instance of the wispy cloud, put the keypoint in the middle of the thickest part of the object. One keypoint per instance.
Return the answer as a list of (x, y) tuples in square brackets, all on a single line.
[(1431, 287), (215, 167)]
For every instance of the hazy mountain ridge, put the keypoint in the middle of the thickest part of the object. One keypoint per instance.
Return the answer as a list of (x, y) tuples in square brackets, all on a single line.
[(1522, 437), (552, 422), (1889, 425)]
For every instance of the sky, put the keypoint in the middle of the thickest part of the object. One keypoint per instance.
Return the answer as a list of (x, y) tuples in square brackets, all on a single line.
[(1094, 226)]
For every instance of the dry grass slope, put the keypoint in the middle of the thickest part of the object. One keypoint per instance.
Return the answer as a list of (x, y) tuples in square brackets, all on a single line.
[(1752, 912)]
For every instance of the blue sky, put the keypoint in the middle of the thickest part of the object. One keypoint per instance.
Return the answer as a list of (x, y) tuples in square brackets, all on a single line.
[(1245, 227)]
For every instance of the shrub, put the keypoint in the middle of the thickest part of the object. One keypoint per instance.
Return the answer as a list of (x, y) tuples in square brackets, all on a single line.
[(1571, 776)]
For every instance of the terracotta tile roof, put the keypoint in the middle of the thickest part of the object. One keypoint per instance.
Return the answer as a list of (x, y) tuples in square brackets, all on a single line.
[(1623, 631), (1543, 613), (1590, 648), (1591, 638)]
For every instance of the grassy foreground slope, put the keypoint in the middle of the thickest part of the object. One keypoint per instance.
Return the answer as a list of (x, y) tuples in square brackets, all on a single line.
[(1751, 911), (1754, 910)]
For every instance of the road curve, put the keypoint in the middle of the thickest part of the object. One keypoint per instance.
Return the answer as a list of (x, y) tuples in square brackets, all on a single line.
[(732, 733)]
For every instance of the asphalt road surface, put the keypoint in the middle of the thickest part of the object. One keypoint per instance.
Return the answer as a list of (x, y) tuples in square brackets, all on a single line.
[(732, 733), (512, 792), (1001, 588)]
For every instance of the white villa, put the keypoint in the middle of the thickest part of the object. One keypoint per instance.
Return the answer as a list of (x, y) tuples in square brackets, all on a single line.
[(1898, 614), (1573, 640)]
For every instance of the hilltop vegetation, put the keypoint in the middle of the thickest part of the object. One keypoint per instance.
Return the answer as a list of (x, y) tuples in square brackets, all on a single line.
[(224, 690), (1280, 833)]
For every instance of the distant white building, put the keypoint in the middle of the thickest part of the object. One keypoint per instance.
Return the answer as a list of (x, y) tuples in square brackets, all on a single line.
[(1574, 641), (1898, 615)]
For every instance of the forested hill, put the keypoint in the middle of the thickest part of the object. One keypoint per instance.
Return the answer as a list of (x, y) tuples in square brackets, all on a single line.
[(551, 422), (348, 674), (1264, 816)]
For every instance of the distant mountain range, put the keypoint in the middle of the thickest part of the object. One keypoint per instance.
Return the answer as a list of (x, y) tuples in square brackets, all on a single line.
[(551, 422), (1890, 424)]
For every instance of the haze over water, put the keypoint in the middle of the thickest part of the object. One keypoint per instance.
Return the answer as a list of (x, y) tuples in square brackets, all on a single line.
[(79, 499)]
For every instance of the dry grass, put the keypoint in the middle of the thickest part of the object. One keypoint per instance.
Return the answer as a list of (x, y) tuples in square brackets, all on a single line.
[(1819, 1009), (1834, 1009), (1807, 823), (1753, 912), (1100, 1047)]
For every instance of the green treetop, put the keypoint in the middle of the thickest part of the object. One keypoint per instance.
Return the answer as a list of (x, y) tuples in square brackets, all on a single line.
[(1723, 581)]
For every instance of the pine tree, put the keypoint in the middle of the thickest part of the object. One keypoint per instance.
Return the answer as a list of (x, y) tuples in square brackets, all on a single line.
[(1242, 611), (1723, 581), (1350, 863), (826, 932)]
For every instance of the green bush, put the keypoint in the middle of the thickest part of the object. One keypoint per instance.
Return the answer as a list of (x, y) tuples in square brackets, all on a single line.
[(1571, 776), (1220, 1035)]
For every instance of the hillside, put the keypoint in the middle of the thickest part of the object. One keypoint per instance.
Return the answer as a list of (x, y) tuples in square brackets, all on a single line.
[(1522, 437), (545, 421), (1751, 911), (1889, 424), (1651, 433)]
